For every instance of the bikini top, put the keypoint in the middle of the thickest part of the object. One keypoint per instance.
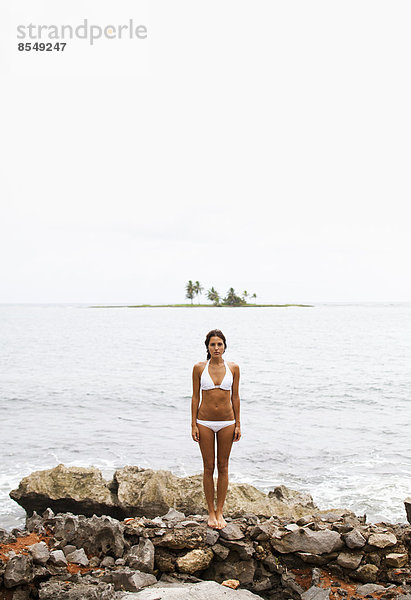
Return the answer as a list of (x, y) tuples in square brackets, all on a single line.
[(206, 383)]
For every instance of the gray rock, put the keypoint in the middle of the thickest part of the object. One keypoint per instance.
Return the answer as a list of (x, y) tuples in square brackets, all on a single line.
[(173, 515), (289, 582), (220, 551), (212, 536), (205, 590), (99, 536), (245, 550), (78, 557), (165, 560), (18, 571), (292, 497), (57, 558), (21, 593), (349, 560), (68, 549), (313, 559), (395, 559), (369, 589), (60, 590), (306, 540), (354, 539), (407, 504), (107, 562), (128, 580), (40, 553), (141, 556), (316, 593), (243, 570), (231, 532)]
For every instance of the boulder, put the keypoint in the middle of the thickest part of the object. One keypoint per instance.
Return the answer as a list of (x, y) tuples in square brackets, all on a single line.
[(129, 580), (40, 553), (141, 556), (396, 559), (57, 558), (382, 540), (78, 557), (18, 571), (307, 540), (231, 568), (144, 492), (66, 489), (231, 532), (366, 573), (354, 539), (195, 560), (349, 560), (98, 536), (316, 593)]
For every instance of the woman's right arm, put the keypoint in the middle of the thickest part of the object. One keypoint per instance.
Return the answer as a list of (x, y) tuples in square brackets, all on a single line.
[(195, 401)]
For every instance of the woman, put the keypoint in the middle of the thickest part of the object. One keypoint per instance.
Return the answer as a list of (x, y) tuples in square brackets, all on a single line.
[(218, 416)]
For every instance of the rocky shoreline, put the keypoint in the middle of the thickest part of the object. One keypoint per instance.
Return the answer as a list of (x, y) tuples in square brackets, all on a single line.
[(312, 555)]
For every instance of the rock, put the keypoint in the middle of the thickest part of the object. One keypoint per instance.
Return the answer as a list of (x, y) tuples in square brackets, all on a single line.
[(21, 593), (98, 536), (40, 553), (349, 560), (78, 557), (212, 536), (245, 550), (292, 498), (354, 539), (173, 515), (243, 570), (128, 580), (195, 560), (18, 571), (180, 539), (306, 540), (312, 559), (141, 556), (263, 531), (369, 589), (316, 593), (63, 590), (407, 504), (231, 532), (396, 560), (164, 560), (220, 551), (57, 558), (107, 562), (382, 540), (205, 590), (366, 573), (231, 583), (289, 582), (66, 489)]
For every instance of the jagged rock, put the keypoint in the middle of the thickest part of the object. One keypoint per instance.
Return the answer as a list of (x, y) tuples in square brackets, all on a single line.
[(195, 560), (173, 515), (205, 590), (396, 560), (407, 504), (354, 539), (382, 540), (40, 553), (179, 539), (128, 580), (289, 582), (63, 590), (245, 550), (220, 551), (306, 540), (67, 489), (366, 573), (316, 593), (68, 549), (212, 536), (18, 571), (349, 560), (243, 570), (78, 557), (141, 556), (57, 558), (231, 532), (292, 497)]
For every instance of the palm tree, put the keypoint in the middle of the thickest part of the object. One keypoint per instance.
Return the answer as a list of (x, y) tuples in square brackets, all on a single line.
[(198, 288), (245, 296), (232, 299), (213, 296), (190, 290), (254, 297)]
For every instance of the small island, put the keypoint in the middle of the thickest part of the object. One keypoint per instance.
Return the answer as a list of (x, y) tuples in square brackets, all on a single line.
[(193, 289)]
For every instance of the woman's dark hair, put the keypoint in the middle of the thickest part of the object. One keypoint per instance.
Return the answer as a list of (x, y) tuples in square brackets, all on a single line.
[(210, 334)]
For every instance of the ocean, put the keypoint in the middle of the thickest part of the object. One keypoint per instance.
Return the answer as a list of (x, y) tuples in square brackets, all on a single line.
[(325, 396)]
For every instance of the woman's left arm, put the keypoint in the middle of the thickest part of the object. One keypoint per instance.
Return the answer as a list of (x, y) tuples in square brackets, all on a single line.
[(235, 399)]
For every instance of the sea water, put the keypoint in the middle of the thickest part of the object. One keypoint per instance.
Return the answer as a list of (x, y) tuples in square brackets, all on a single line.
[(325, 396)]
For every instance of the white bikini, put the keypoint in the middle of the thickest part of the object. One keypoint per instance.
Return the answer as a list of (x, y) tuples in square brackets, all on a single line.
[(206, 383)]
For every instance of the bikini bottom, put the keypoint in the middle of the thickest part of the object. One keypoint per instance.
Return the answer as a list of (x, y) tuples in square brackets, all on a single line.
[(216, 425)]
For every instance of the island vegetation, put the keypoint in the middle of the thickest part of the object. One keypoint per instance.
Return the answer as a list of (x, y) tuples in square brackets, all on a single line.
[(194, 289)]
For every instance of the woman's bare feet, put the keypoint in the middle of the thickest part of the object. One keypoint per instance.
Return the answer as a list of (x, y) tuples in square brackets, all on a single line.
[(221, 522), (212, 521)]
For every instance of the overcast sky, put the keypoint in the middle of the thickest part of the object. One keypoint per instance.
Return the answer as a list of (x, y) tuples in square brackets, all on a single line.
[(260, 145)]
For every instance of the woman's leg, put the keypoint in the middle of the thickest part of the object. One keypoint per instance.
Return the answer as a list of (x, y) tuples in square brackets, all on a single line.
[(207, 447), (224, 442)]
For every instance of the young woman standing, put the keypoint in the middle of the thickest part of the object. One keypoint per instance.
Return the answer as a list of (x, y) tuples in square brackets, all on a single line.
[(218, 416)]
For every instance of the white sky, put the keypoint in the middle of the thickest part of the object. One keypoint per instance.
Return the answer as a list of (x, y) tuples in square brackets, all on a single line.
[(261, 145)]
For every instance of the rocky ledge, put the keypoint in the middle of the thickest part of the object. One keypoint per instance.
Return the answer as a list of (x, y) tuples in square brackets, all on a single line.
[(134, 491), (323, 555)]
